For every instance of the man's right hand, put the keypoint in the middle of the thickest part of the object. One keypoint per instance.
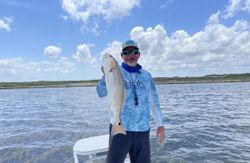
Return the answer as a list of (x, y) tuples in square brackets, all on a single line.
[(160, 133)]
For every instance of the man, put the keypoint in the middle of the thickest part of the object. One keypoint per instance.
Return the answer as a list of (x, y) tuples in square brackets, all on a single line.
[(141, 97)]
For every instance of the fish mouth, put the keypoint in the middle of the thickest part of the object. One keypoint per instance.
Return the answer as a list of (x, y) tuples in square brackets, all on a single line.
[(107, 55)]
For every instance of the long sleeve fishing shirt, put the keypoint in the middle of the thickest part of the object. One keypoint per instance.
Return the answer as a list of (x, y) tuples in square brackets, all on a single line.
[(136, 117)]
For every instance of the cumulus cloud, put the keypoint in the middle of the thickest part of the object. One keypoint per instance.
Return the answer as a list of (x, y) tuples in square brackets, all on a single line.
[(215, 49), (5, 23), (83, 54), (19, 67), (63, 65), (90, 12), (114, 49), (52, 51), (236, 6), (12, 66)]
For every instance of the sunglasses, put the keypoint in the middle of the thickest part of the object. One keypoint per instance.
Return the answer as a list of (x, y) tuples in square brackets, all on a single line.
[(128, 52)]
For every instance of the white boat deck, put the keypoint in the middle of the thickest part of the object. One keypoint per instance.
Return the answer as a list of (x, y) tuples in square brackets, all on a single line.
[(93, 147)]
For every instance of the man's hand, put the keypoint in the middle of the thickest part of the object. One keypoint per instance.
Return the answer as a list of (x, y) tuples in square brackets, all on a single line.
[(160, 133)]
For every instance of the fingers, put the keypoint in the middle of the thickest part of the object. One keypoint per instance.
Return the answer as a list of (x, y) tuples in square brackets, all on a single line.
[(161, 137), (160, 134)]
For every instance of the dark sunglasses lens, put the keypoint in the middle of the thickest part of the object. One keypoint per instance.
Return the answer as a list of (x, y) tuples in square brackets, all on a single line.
[(125, 52), (134, 52)]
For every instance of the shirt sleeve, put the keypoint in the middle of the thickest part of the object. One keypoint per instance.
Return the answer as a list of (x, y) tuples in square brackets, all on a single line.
[(155, 105), (101, 87)]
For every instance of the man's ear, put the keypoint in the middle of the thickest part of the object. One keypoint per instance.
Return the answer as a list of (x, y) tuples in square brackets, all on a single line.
[(121, 54)]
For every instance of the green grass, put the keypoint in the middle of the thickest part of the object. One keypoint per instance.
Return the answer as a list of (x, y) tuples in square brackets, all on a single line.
[(45, 84), (205, 79), (158, 80)]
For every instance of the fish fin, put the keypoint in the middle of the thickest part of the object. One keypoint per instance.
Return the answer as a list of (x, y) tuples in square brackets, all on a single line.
[(118, 129), (112, 65)]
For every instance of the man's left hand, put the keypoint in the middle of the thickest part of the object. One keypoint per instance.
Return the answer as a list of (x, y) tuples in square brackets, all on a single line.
[(160, 133)]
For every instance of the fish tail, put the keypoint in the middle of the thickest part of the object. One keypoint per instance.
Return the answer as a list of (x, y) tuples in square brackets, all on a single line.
[(118, 129)]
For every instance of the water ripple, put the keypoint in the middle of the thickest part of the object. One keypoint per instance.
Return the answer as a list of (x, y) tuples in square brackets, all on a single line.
[(205, 123)]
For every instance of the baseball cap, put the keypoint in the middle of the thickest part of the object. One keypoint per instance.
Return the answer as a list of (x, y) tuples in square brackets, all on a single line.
[(129, 43)]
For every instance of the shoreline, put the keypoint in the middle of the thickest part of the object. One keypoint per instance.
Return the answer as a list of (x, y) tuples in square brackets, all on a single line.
[(225, 78)]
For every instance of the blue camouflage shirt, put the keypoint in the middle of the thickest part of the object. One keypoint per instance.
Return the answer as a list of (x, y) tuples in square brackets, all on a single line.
[(136, 117)]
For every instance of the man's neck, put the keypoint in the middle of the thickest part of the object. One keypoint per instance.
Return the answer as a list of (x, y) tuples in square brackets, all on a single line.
[(131, 64), (131, 69)]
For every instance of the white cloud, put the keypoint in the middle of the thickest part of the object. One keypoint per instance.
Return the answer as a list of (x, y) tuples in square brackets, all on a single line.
[(52, 51), (12, 65), (236, 6), (214, 18), (114, 49), (18, 67), (90, 13), (5, 23), (166, 4), (215, 49), (66, 65), (63, 65), (83, 54)]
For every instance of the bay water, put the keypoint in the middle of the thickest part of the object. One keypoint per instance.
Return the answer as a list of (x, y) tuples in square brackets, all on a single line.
[(205, 123)]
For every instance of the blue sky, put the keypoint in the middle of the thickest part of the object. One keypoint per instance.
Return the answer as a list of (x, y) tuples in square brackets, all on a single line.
[(65, 39)]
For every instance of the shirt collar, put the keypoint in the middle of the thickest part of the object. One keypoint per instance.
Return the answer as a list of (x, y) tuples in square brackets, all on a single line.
[(131, 69)]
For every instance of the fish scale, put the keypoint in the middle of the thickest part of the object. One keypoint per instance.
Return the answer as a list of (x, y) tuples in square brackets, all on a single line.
[(115, 87)]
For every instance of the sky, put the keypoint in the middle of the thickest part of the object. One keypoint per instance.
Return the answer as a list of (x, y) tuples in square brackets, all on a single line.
[(65, 39)]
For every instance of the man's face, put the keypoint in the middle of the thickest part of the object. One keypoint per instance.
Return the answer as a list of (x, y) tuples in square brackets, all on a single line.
[(130, 55)]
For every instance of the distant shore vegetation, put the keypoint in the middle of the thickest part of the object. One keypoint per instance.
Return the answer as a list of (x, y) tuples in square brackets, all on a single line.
[(215, 78)]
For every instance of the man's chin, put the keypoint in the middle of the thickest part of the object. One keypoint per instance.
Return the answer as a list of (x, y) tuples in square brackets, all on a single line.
[(131, 64)]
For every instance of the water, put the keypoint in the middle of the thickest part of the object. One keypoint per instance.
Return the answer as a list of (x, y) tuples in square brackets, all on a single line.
[(205, 123)]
